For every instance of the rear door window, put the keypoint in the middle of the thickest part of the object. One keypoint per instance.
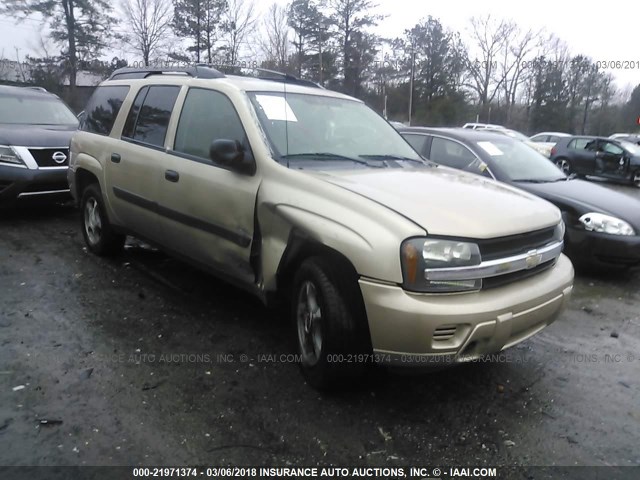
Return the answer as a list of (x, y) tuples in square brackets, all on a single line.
[(150, 113), (103, 108), (418, 142), (450, 153), (580, 143)]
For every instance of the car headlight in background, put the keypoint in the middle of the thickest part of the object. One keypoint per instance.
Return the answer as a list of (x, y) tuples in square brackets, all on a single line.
[(599, 222), (421, 254), (9, 155)]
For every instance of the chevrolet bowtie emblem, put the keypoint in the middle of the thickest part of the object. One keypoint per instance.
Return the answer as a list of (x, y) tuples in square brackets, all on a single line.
[(533, 259)]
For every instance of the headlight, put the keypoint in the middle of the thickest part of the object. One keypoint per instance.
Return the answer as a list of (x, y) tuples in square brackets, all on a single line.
[(599, 222), (420, 254), (9, 155), (558, 234)]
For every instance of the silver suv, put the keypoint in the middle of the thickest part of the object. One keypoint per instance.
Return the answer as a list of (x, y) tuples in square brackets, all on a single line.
[(301, 194)]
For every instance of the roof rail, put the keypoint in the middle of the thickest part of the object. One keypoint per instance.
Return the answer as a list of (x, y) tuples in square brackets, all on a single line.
[(198, 71), (272, 75), (39, 89)]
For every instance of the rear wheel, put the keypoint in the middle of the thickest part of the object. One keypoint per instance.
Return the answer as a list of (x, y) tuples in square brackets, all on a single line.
[(96, 229), (564, 165), (330, 335)]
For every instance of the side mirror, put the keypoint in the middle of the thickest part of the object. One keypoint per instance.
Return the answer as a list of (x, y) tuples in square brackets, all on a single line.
[(232, 154), (599, 154)]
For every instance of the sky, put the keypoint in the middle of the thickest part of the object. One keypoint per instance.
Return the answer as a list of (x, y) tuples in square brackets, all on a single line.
[(608, 34)]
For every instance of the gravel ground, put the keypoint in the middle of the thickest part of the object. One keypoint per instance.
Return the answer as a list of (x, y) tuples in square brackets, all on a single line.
[(143, 360)]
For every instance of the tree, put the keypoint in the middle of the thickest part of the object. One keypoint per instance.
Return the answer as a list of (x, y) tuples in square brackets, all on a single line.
[(83, 28), (306, 20), (239, 19), (439, 59), (274, 39), (520, 46), (148, 23), (631, 111), (351, 18), (489, 37), (199, 20)]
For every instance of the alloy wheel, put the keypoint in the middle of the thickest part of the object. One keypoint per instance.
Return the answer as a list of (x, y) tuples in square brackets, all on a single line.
[(309, 323), (92, 221)]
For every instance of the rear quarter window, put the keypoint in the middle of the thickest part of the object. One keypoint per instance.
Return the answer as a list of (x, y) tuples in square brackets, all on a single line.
[(103, 108)]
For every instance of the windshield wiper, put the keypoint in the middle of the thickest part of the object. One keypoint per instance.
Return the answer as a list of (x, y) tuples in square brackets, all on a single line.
[(397, 157), (533, 180), (321, 156)]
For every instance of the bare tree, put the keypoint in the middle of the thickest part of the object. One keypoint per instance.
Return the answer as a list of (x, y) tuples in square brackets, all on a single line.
[(274, 39), (489, 38), (148, 22), (520, 47), (238, 21)]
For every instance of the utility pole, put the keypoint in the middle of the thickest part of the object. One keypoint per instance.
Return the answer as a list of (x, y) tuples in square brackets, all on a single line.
[(413, 61), (321, 30)]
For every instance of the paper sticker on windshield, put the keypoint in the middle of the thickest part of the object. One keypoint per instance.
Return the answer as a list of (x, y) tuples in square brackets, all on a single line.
[(490, 148), (276, 108)]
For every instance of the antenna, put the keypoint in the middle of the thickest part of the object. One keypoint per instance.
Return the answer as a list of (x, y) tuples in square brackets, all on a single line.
[(286, 120)]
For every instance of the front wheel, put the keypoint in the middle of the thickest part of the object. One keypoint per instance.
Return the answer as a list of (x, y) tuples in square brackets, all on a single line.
[(96, 229), (635, 178), (331, 338), (564, 165)]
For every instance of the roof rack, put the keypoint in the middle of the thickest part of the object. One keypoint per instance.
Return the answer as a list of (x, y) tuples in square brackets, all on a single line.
[(198, 71), (38, 89), (263, 74)]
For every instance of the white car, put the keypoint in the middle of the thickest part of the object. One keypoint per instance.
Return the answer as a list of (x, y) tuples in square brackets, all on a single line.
[(543, 149), (547, 140), (480, 126)]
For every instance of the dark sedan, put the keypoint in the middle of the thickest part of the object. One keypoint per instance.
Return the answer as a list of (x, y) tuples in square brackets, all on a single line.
[(614, 159), (602, 225), (35, 132)]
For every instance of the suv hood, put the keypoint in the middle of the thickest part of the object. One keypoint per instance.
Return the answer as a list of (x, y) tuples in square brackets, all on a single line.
[(36, 135), (450, 203)]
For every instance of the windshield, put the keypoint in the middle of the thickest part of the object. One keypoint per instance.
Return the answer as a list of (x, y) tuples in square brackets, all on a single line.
[(519, 162), (34, 110), (320, 128), (630, 147)]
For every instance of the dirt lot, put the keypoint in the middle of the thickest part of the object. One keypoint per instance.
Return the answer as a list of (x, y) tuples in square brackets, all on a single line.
[(129, 362)]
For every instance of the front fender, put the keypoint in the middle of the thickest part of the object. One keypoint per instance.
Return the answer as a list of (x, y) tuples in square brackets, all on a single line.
[(366, 233)]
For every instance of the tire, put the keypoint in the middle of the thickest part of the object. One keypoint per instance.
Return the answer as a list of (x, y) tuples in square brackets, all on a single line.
[(96, 229), (635, 178), (328, 331), (564, 165)]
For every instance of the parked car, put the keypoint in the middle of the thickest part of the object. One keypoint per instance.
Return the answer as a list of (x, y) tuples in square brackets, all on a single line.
[(547, 140), (613, 159), (304, 194), (548, 137), (543, 149), (621, 135), (631, 138), (602, 224), (395, 124), (477, 126), (35, 131)]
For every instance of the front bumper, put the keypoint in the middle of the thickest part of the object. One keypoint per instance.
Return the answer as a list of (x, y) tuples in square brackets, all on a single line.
[(601, 249), (17, 183), (425, 330)]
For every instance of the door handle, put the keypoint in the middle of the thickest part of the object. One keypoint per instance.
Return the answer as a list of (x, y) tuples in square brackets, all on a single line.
[(115, 158), (171, 175)]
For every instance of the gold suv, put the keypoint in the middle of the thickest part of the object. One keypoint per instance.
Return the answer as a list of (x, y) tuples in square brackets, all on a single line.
[(294, 192)]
